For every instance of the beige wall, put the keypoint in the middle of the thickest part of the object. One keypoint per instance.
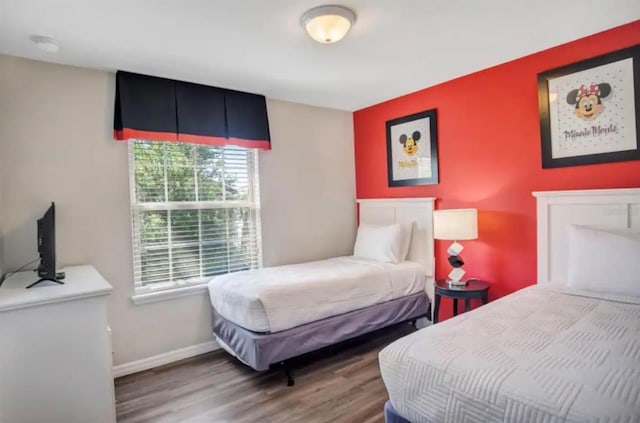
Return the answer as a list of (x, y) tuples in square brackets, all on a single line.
[(56, 145), (2, 267), (4, 104), (307, 184)]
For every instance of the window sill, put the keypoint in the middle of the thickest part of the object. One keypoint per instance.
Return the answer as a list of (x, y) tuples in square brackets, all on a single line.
[(169, 294)]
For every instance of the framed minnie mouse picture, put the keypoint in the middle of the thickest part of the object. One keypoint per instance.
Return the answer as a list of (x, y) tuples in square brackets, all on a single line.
[(412, 150), (589, 110)]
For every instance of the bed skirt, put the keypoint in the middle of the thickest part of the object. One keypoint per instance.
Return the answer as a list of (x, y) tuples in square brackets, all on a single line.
[(260, 350), (391, 415)]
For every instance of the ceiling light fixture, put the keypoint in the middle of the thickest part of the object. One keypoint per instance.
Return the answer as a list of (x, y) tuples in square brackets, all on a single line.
[(328, 24), (47, 44)]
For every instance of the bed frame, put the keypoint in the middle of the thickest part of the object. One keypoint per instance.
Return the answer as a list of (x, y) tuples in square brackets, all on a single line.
[(556, 210), (613, 208), (406, 210), (260, 350)]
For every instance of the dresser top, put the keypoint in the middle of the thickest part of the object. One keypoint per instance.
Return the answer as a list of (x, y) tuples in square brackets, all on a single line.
[(80, 282)]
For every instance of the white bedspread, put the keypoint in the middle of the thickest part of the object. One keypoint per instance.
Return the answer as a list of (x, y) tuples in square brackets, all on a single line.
[(542, 354), (273, 299)]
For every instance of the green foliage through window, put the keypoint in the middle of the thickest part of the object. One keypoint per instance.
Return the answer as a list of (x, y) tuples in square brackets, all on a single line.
[(194, 211)]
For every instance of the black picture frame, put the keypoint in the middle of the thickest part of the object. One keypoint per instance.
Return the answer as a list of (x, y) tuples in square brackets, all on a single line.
[(589, 128), (417, 159)]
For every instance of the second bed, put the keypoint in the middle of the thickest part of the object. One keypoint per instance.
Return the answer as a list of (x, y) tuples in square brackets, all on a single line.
[(564, 350)]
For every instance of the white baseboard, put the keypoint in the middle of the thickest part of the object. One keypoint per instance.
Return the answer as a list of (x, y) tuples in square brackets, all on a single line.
[(164, 358)]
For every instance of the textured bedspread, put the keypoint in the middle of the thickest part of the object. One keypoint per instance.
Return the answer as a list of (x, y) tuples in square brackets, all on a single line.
[(274, 299), (542, 354)]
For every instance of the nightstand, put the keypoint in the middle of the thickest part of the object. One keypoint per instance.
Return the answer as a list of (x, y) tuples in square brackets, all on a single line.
[(473, 289)]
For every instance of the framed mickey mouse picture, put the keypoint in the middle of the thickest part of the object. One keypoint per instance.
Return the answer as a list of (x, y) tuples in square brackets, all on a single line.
[(589, 110), (412, 150)]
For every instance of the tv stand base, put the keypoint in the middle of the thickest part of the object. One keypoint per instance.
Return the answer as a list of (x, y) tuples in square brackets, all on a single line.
[(45, 279)]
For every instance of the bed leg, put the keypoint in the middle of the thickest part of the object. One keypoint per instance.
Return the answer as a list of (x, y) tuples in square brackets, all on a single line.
[(287, 372)]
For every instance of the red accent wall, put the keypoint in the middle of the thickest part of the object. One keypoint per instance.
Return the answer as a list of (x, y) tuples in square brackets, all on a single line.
[(489, 157)]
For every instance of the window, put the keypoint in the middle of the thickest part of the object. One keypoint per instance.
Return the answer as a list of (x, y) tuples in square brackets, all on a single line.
[(195, 213)]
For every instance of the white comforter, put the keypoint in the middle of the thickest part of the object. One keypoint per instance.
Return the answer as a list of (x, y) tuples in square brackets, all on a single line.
[(542, 354), (273, 299)]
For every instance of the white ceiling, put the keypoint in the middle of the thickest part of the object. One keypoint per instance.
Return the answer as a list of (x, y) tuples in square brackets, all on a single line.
[(395, 47)]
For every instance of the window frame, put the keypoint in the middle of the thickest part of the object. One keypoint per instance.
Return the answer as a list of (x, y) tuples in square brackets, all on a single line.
[(174, 289)]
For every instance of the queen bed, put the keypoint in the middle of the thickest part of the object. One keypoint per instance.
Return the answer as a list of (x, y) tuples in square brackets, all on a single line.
[(271, 315), (561, 350)]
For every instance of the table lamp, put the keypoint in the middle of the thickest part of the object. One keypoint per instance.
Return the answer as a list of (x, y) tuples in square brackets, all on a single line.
[(455, 225)]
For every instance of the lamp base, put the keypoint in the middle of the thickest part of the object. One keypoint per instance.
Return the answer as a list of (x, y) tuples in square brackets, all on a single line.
[(457, 273)]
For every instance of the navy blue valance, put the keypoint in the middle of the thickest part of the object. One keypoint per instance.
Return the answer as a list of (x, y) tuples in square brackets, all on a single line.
[(160, 109)]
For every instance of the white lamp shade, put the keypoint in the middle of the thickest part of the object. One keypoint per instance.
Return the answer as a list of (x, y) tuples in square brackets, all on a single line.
[(455, 224)]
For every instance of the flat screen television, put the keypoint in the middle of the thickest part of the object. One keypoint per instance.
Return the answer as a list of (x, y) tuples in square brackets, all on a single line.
[(47, 248)]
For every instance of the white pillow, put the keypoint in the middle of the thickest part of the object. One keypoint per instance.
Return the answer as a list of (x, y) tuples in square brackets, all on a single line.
[(406, 232), (379, 243), (604, 260)]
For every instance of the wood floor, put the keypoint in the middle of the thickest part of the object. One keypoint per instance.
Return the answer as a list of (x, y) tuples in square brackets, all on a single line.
[(340, 384)]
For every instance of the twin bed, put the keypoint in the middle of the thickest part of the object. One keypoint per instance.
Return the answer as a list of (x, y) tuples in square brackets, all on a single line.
[(551, 352), (271, 315)]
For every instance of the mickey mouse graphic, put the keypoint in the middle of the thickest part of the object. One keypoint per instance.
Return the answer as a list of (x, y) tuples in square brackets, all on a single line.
[(588, 100), (410, 144)]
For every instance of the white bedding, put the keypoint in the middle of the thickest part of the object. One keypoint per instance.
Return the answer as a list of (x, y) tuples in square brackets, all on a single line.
[(542, 354), (273, 299)]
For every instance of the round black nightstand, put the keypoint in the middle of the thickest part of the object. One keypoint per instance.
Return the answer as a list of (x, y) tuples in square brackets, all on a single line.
[(473, 289)]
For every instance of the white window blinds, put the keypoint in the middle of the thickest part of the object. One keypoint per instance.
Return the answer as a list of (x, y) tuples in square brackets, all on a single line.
[(195, 212)]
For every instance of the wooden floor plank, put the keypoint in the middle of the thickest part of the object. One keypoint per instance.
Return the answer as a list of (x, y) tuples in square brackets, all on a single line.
[(339, 384)]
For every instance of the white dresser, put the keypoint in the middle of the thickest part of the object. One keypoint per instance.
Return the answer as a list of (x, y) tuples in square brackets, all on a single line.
[(55, 350)]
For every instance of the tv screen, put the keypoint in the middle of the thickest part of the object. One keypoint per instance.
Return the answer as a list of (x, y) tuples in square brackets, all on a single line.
[(47, 244), (47, 248)]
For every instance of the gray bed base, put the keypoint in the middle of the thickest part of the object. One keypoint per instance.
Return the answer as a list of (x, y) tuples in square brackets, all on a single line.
[(260, 350), (391, 415)]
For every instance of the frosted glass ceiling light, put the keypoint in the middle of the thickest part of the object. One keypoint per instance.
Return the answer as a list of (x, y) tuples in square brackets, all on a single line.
[(328, 24)]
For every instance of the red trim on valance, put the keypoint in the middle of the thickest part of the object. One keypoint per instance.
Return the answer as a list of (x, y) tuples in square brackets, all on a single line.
[(261, 144), (126, 134), (220, 141)]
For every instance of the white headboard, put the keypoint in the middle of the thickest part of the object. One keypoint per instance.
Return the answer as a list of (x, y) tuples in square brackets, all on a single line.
[(405, 210), (615, 208)]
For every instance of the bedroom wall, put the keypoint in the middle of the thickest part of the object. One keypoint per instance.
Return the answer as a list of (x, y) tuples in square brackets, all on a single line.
[(307, 184), (2, 267), (55, 135), (489, 157), (4, 74)]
